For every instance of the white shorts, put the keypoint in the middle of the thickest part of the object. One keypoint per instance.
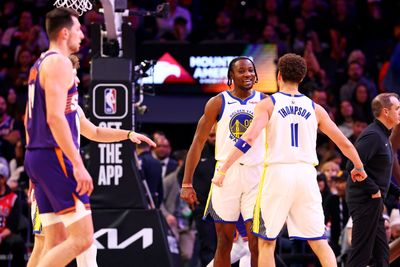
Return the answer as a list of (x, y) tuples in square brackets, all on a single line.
[(237, 195), (289, 194), (68, 218)]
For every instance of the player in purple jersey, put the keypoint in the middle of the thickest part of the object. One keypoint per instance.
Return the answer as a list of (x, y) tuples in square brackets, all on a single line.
[(62, 184)]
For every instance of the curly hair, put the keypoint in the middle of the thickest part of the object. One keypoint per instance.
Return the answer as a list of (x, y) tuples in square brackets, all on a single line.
[(232, 63), (293, 68)]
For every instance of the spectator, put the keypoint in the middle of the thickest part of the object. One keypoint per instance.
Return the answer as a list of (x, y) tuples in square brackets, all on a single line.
[(336, 211), (323, 187), (36, 42), (320, 97), (269, 36), (10, 240), (355, 76), (361, 102), (394, 224), (330, 169), (335, 156), (178, 33), (9, 133), (14, 109), (274, 16), (15, 36), (345, 118), (150, 168), (18, 177), (223, 29), (342, 30), (358, 56), (301, 35), (202, 182), (177, 212), (316, 77), (175, 11), (7, 15), (20, 73), (359, 125), (162, 153)]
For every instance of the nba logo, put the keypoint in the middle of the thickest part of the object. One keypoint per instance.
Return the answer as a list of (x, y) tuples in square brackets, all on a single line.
[(110, 101)]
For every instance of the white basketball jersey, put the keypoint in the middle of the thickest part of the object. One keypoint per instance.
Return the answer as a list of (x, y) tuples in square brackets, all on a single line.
[(233, 121), (292, 130)]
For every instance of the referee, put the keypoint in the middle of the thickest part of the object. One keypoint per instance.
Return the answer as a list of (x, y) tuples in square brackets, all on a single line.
[(365, 199)]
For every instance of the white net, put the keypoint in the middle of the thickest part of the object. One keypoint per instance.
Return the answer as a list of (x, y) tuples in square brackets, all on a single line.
[(79, 6)]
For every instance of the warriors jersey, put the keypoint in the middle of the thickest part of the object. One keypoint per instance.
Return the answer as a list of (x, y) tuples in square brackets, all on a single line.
[(234, 119), (292, 130), (40, 135)]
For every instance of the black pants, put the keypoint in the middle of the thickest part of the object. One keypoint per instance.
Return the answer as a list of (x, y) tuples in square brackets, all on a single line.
[(369, 243), (207, 237)]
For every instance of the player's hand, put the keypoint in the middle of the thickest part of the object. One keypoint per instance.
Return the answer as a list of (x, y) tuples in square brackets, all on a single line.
[(83, 179), (138, 138), (171, 220), (188, 194), (377, 194), (358, 176), (218, 179)]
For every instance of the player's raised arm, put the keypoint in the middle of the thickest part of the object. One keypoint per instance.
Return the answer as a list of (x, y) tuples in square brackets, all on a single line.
[(262, 113), (107, 135)]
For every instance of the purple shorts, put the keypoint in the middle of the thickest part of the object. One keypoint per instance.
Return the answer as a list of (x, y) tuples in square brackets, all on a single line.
[(53, 179)]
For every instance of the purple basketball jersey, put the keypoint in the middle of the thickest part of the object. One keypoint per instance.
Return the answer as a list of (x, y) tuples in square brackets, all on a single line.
[(39, 132)]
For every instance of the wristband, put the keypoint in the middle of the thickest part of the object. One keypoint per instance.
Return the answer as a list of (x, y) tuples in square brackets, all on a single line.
[(129, 134), (359, 169), (187, 186), (221, 173), (242, 145)]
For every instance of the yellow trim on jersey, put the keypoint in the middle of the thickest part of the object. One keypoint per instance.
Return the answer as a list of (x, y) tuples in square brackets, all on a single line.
[(37, 224), (210, 192), (257, 207), (208, 200)]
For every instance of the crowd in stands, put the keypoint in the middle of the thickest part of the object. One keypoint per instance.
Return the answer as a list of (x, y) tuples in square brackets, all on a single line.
[(352, 51)]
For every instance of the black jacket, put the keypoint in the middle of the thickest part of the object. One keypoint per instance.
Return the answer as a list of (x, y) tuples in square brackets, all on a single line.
[(375, 151), (151, 171)]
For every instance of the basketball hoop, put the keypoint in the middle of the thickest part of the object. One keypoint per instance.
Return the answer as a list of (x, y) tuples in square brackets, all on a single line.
[(79, 6)]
